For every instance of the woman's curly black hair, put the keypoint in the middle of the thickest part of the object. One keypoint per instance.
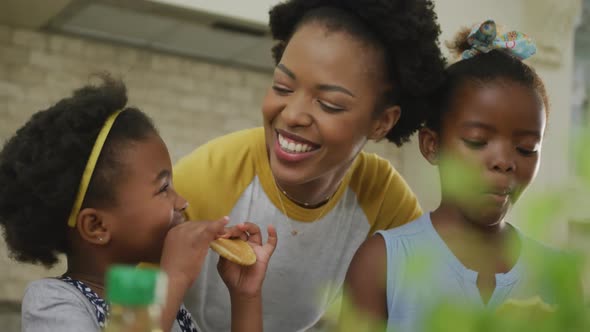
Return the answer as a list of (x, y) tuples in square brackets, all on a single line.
[(406, 31), (496, 66), (42, 164)]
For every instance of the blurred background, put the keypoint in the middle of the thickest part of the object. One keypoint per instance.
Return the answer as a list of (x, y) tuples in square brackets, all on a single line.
[(200, 68)]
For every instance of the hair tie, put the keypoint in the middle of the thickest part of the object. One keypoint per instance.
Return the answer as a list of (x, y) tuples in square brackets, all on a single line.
[(484, 39), (90, 165)]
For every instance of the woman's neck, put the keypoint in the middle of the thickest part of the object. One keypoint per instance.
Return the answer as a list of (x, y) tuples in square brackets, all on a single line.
[(314, 193)]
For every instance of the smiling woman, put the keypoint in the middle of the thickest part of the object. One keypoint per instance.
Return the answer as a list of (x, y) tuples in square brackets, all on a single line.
[(346, 72)]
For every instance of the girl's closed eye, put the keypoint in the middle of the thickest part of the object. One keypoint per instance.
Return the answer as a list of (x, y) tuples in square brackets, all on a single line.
[(164, 189), (474, 143), (528, 147), (527, 150)]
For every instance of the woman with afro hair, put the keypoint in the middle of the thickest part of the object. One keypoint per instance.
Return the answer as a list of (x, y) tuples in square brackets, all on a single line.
[(347, 71)]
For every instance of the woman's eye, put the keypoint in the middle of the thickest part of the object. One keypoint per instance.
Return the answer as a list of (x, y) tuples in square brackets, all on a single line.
[(474, 144), (281, 90), (329, 107)]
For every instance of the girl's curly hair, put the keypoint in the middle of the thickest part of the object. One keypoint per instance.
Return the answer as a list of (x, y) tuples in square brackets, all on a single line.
[(42, 164)]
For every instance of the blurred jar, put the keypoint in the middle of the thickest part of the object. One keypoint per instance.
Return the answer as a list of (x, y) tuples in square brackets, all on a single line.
[(136, 297)]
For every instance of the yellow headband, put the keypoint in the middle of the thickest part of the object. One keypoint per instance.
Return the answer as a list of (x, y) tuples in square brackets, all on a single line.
[(90, 165)]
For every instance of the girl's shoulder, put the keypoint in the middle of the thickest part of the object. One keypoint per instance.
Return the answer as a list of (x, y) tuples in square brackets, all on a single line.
[(53, 287), (51, 302), (533, 248)]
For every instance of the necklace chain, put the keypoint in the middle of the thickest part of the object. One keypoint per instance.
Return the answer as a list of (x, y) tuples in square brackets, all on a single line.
[(305, 204), (295, 232)]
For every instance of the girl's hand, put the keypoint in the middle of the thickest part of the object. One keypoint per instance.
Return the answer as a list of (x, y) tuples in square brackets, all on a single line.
[(185, 249), (246, 281)]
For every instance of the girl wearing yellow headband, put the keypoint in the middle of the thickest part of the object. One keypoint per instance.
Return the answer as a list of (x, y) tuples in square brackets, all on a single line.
[(92, 179)]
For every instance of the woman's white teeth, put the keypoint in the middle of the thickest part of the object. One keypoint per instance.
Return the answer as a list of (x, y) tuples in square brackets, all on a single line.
[(293, 147)]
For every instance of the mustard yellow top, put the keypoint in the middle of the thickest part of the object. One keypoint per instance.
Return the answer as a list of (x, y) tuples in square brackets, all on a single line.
[(231, 176)]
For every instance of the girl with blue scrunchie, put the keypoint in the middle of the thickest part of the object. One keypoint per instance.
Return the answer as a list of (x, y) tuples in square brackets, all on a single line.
[(486, 139)]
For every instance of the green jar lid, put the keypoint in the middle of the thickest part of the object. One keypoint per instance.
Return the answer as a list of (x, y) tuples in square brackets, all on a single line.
[(133, 286)]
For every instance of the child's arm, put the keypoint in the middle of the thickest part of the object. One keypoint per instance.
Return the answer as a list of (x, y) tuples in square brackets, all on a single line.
[(246, 313), (364, 305), (245, 282), (185, 249)]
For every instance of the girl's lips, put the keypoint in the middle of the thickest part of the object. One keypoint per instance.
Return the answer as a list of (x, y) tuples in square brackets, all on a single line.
[(500, 192), (177, 219), (498, 198)]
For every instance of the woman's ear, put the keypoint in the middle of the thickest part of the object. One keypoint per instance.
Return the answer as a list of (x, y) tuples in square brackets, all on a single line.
[(383, 123), (92, 226), (429, 145)]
